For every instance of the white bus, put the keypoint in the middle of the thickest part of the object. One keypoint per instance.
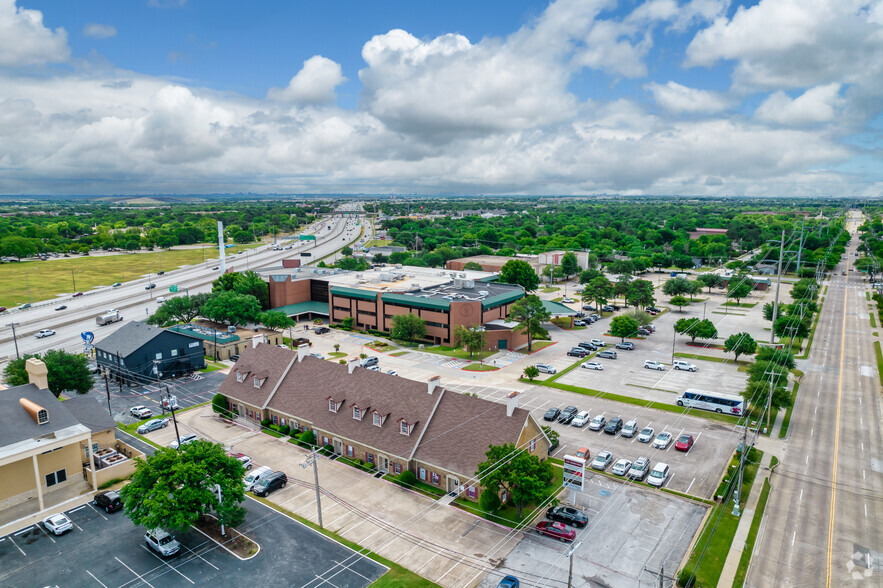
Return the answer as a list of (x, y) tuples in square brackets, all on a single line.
[(716, 401)]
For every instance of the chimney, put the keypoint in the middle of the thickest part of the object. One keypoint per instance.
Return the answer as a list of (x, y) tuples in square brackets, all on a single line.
[(302, 351), (38, 375), (511, 403), (353, 364), (257, 340), (37, 412), (433, 383)]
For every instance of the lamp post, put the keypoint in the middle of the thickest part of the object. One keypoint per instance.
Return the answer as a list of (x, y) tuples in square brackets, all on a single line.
[(74, 280)]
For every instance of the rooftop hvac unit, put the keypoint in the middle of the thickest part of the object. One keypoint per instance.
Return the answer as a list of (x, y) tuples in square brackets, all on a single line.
[(458, 283), (469, 284), (483, 293), (463, 275), (231, 329)]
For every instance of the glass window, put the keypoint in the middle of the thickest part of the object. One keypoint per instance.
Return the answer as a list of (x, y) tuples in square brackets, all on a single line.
[(435, 478), (350, 451), (331, 406), (421, 474), (369, 457), (533, 444), (357, 414), (174, 353), (377, 420), (397, 468), (405, 429), (159, 355)]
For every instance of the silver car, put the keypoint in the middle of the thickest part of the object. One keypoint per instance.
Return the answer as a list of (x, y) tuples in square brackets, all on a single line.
[(598, 422), (545, 368), (621, 467), (162, 543), (602, 460), (646, 435), (662, 440)]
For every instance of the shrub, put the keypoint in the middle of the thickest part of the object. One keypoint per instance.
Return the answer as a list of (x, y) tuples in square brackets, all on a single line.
[(219, 404), (686, 578), (489, 501), (266, 422), (307, 438), (407, 478), (285, 429), (328, 449)]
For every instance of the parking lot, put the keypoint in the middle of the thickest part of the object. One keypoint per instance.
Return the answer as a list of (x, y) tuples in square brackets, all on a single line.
[(108, 550)]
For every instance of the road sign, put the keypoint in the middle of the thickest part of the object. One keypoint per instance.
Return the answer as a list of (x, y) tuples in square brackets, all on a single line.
[(173, 288), (307, 237), (87, 336)]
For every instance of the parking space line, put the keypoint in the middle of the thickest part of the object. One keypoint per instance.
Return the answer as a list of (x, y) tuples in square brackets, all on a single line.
[(45, 533), (199, 556), (134, 572), (173, 568), (16, 545), (96, 579), (23, 531), (89, 504), (81, 507)]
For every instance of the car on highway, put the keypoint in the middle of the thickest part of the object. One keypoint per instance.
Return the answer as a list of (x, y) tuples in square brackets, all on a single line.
[(602, 460), (162, 273), (568, 515), (162, 543), (654, 365), (567, 415), (24, 306), (583, 453), (556, 530), (160, 299), (639, 469), (545, 368), (658, 475), (58, 524), (598, 343), (110, 501), (629, 429), (152, 425), (598, 422), (646, 435), (577, 352), (662, 440), (684, 443), (44, 333), (215, 268), (184, 441), (141, 412), (580, 419), (116, 285), (627, 345), (593, 365), (150, 286), (607, 354), (621, 467), (552, 414), (2, 309), (613, 425), (62, 307)]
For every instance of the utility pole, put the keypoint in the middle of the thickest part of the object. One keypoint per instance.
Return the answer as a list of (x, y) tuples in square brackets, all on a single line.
[(175, 421), (218, 488), (738, 493), (14, 339), (778, 284), (800, 247), (313, 459), (119, 372), (569, 556), (107, 389)]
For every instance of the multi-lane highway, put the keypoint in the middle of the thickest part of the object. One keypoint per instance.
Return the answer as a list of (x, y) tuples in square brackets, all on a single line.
[(822, 526)]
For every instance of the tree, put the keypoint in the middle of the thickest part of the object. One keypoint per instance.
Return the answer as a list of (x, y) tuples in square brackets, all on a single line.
[(641, 317), (679, 301), (710, 280), (531, 372), (408, 327), (677, 286), (775, 355), (569, 264), (791, 326), (180, 309), (252, 284), (623, 326), (471, 265), (18, 246), (242, 237), (489, 501), (621, 267), (65, 371), (599, 290), (525, 477), (353, 264), (219, 404), (276, 320), (232, 307), (696, 288), (756, 394), (766, 371), (768, 310), (740, 344), (470, 338), (347, 322), (588, 275), (518, 271), (173, 488), (739, 290), (530, 314), (640, 293), (346, 251), (15, 373), (694, 327)]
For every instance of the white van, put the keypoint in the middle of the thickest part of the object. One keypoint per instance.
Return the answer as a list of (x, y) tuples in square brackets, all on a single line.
[(255, 476)]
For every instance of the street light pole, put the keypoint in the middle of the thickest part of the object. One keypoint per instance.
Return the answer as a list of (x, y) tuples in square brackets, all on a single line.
[(14, 339), (74, 279)]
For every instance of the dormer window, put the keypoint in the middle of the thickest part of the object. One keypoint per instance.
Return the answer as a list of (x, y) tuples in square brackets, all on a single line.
[(332, 406), (405, 428), (258, 382), (378, 420), (357, 413), (239, 376)]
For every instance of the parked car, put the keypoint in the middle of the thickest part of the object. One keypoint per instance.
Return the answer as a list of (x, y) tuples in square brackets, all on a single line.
[(62, 307), (653, 309), (242, 458), (552, 414), (607, 354), (545, 368), (580, 419), (683, 365), (581, 323), (150, 286), (369, 361), (593, 365), (567, 415), (254, 477), (321, 330), (598, 343), (607, 308), (589, 307), (594, 317), (629, 429), (621, 467), (373, 368), (646, 435), (627, 345), (58, 524), (662, 440), (392, 372), (44, 333), (507, 581), (234, 357), (556, 530), (598, 422), (568, 515), (684, 443), (577, 352), (654, 365), (651, 328), (110, 501), (644, 332), (141, 412), (587, 345), (568, 300), (152, 426), (613, 425), (269, 483), (658, 475), (639, 469), (161, 542), (602, 460), (184, 441), (583, 453)]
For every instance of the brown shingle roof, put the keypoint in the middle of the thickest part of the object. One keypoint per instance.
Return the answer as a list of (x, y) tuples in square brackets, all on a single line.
[(265, 361)]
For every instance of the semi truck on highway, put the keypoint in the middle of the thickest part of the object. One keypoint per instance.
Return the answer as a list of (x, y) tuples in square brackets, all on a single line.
[(111, 316)]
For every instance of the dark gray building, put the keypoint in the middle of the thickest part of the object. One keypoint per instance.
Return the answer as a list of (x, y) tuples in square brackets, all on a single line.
[(141, 353)]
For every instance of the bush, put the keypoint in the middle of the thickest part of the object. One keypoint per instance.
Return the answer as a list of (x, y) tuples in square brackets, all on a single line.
[(407, 478), (328, 449), (489, 501), (219, 404), (266, 422), (307, 438), (285, 429), (686, 578)]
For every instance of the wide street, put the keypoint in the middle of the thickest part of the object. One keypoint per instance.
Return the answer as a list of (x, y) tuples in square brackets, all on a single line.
[(822, 519)]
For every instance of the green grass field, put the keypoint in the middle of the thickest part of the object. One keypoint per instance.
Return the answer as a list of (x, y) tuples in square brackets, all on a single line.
[(46, 279)]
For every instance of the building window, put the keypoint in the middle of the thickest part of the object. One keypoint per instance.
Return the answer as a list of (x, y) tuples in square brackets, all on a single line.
[(239, 377), (406, 430), (377, 420), (533, 444), (326, 441), (369, 457), (282, 421), (159, 355), (350, 451), (421, 473), (56, 478), (357, 414), (397, 468), (472, 491), (332, 406), (435, 478), (274, 420), (174, 353)]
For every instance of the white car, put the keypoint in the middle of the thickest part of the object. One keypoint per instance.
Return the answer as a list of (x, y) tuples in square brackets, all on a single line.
[(160, 299), (141, 412), (646, 435), (184, 441), (597, 342), (662, 440), (373, 368), (654, 365), (568, 300), (598, 422), (58, 524), (621, 467), (684, 365), (44, 333), (392, 372), (658, 475), (602, 460), (593, 365), (545, 368), (580, 419)]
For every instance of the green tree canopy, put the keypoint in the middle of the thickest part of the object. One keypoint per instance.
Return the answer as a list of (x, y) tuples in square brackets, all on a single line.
[(679, 301), (172, 488), (276, 320), (777, 356), (232, 307), (408, 327), (710, 280), (623, 326), (791, 326), (65, 371), (518, 271), (530, 314), (588, 275), (180, 309), (599, 290), (739, 290), (640, 293), (470, 338), (531, 372), (677, 286), (740, 344), (695, 327), (248, 282), (525, 477), (471, 265), (569, 264)]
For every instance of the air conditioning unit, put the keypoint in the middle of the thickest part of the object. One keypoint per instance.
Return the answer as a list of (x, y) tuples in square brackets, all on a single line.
[(231, 329), (483, 293), (469, 284)]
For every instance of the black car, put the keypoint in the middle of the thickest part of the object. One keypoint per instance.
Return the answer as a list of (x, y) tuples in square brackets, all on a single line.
[(645, 332), (160, 273), (652, 309), (607, 308), (587, 345), (578, 352), (553, 446), (62, 307), (580, 315), (567, 415), (110, 501), (150, 286), (270, 483), (568, 515), (234, 357), (321, 330), (588, 307), (613, 426), (552, 414)]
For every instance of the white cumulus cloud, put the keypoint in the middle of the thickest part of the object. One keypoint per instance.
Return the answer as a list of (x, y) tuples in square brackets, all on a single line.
[(24, 40), (675, 97), (99, 31), (816, 105), (315, 83)]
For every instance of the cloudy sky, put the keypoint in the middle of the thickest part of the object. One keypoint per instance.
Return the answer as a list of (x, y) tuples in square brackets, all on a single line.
[(729, 97)]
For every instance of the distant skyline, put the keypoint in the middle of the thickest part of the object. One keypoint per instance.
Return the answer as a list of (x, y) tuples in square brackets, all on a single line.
[(656, 97)]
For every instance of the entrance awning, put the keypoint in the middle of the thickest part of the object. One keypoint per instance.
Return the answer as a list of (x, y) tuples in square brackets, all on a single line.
[(300, 308)]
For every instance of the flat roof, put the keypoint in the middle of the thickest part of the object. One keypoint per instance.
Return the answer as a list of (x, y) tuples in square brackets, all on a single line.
[(205, 333), (304, 307), (495, 259), (389, 278)]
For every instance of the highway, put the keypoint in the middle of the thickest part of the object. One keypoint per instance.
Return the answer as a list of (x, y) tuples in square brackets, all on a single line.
[(822, 524), (136, 303)]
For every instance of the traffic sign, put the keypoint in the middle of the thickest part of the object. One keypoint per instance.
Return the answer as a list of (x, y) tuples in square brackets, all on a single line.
[(87, 336), (173, 288)]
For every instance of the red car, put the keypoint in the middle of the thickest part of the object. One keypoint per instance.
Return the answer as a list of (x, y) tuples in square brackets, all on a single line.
[(77, 294), (556, 530), (684, 443)]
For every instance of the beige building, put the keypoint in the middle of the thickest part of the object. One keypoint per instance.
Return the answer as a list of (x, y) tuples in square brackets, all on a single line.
[(221, 342)]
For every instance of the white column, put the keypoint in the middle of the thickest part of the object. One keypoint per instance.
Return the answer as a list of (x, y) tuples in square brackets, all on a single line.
[(39, 481)]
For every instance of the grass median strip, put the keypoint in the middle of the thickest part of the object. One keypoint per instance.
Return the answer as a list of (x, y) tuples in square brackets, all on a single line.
[(879, 359), (709, 358), (739, 580), (812, 334)]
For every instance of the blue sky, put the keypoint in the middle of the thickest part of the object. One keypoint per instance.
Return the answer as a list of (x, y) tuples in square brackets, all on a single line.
[(776, 97)]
